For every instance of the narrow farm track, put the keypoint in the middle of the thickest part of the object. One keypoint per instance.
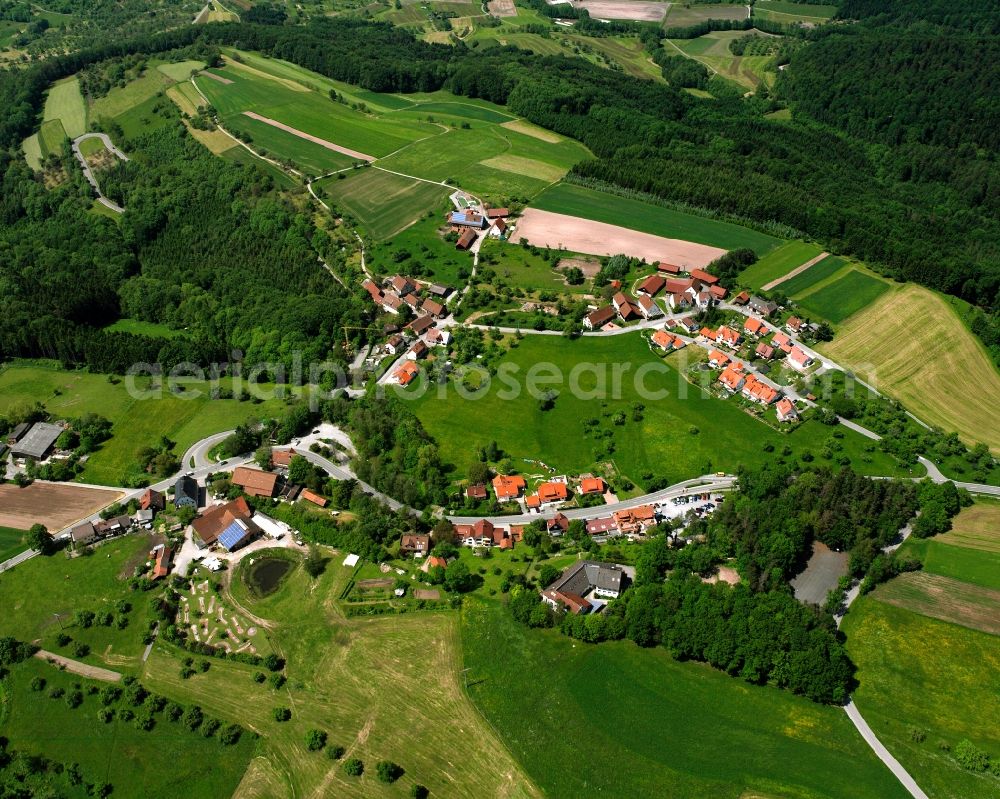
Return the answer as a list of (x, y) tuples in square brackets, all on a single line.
[(796, 271)]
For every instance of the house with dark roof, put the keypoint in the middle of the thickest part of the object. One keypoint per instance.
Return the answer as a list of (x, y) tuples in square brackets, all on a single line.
[(37, 442), (412, 544), (439, 290), (477, 491), (466, 240), (186, 493), (15, 435), (761, 306), (583, 581), (152, 500), (402, 285), (652, 285), (83, 534), (238, 533), (595, 320), (420, 325)]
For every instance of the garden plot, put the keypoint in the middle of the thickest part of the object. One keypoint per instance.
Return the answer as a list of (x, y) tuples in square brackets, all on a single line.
[(208, 620)]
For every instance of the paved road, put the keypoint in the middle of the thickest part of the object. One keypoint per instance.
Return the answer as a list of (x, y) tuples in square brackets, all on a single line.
[(89, 175), (883, 754), (17, 560)]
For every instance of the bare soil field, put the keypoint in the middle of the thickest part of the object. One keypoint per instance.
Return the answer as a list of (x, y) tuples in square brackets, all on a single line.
[(976, 527), (56, 505), (588, 266), (636, 10), (502, 8), (427, 593), (76, 667), (944, 598), (824, 569), (309, 137), (548, 229)]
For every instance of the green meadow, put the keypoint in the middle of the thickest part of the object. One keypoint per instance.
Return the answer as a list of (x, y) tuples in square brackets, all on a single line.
[(136, 423), (779, 262), (65, 103), (662, 728), (12, 542), (964, 563), (843, 297), (818, 272), (789, 13), (421, 243), (676, 436), (313, 158), (638, 215)]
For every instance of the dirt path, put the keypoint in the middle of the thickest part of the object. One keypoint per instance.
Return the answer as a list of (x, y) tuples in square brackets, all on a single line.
[(76, 667), (796, 271)]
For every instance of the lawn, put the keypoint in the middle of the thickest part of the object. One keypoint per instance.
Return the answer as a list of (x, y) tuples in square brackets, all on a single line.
[(65, 103), (384, 688), (648, 218), (779, 262), (516, 266), (421, 249), (670, 729), (815, 274), (935, 367), (41, 596), (137, 422), (153, 764), (680, 435), (383, 203), (926, 678), (845, 296), (12, 543)]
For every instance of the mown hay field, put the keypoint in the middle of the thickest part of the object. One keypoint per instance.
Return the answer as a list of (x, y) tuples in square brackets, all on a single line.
[(912, 345)]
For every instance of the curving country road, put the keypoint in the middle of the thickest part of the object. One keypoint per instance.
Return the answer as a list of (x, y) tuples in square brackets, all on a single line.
[(88, 173)]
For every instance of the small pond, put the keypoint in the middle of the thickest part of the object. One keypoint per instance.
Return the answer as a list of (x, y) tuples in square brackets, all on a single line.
[(265, 575)]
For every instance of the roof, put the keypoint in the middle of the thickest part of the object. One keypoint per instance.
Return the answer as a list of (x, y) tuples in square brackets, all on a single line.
[(586, 575), (465, 240), (732, 378), (704, 277), (254, 481), (553, 492), (476, 491), (392, 300), (799, 356), (742, 298), (494, 213), (782, 341), (759, 390), (420, 324), (794, 323), (405, 373), (672, 269), (591, 485), (151, 499), (508, 487), (648, 304), (414, 541), (15, 434), (282, 457), (573, 602), (708, 333), (439, 290), (619, 299), (313, 497), (215, 520), (760, 304), (663, 339), (719, 292), (627, 310), (38, 440), (186, 488), (754, 325), (418, 350), (601, 316), (236, 533), (678, 285), (785, 407), (728, 335), (83, 532), (765, 350), (688, 323), (163, 559), (601, 525), (465, 218), (432, 307), (719, 357), (652, 284), (403, 285)]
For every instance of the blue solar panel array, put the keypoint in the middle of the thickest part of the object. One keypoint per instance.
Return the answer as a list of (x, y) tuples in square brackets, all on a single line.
[(232, 536)]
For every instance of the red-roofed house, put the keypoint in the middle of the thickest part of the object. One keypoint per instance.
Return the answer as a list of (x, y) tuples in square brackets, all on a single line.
[(164, 557), (595, 320), (718, 292), (669, 269), (704, 277), (591, 485), (733, 378), (679, 300), (282, 457), (313, 497), (786, 410), (648, 307), (742, 298), (663, 340), (553, 492), (508, 487), (627, 311), (754, 326), (782, 342), (765, 351), (716, 358), (794, 324), (477, 491), (758, 391), (729, 337), (212, 522), (678, 285), (255, 482), (651, 286), (405, 374), (799, 359)]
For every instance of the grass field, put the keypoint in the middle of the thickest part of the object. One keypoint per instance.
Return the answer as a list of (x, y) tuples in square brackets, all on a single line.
[(712, 50), (12, 542), (51, 135), (973, 565), (137, 422), (680, 16), (386, 688), (818, 272), (140, 328), (635, 214), (134, 93), (976, 527), (662, 443), (778, 262), (313, 158), (789, 13), (137, 763), (65, 103), (670, 729), (181, 70), (427, 247), (42, 595), (945, 598), (518, 267), (384, 204), (844, 297), (935, 366), (938, 679)]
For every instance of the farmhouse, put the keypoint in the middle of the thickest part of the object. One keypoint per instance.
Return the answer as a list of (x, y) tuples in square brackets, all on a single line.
[(627, 311), (669, 269), (648, 307), (238, 534), (254, 482), (439, 290), (420, 325), (212, 522), (83, 534), (412, 301), (635, 520), (651, 286), (718, 293), (799, 359), (412, 544), (467, 219), (402, 285), (595, 320), (704, 277), (466, 240), (152, 500), (186, 493), (584, 579), (499, 229), (37, 442), (678, 285), (433, 308), (497, 213), (786, 410), (742, 298), (761, 306), (163, 561), (508, 487), (405, 374)]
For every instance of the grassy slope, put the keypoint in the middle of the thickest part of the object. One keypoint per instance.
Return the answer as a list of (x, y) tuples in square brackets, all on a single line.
[(518, 267), (779, 262), (137, 423), (816, 273), (122, 99), (844, 296), (616, 720), (660, 444), (933, 364), (159, 764), (11, 543), (589, 204), (958, 562), (977, 526), (942, 679), (384, 688), (65, 103), (427, 247)]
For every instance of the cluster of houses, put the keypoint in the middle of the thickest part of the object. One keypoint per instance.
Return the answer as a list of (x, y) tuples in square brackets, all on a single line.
[(398, 291), (469, 222), (698, 290), (549, 494)]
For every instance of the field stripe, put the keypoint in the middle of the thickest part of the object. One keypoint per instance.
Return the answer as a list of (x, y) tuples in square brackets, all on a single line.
[(309, 137), (797, 270)]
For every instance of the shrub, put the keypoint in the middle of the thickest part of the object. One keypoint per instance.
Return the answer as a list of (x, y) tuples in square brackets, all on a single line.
[(38, 684), (354, 767), (56, 693), (230, 734), (193, 717), (971, 756), (74, 698), (210, 727), (277, 680), (281, 714), (387, 771), (419, 792), (259, 677), (315, 740), (335, 752), (81, 650)]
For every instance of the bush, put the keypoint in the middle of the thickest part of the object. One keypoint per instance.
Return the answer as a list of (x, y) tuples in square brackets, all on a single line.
[(74, 699), (193, 718), (387, 771), (210, 727), (354, 767), (81, 650), (419, 792), (315, 740), (971, 757), (259, 677), (281, 714), (38, 684), (335, 752), (277, 680), (230, 734)]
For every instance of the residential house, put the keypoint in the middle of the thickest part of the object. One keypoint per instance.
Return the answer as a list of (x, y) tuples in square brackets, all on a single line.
[(648, 307), (412, 301), (213, 521), (420, 325), (585, 578), (163, 560), (395, 344), (434, 308), (434, 561), (761, 306), (651, 286), (36, 444), (799, 359), (402, 285), (679, 301), (718, 293), (480, 534), (628, 311), (591, 485), (602, 526), (765, 351), (254, 482), (557, 525), (436, 338), (152, 500), (717, 359), (406, 373), (757, 390), (635, 520), (729, 337), (477, 492), (755, 326), (708, 333), (732, 378), (391, 302), (508, 487), (186, 493), (116, 525), (702, 299), (782, 342), (418, 545), (786, 410), (663, 340), (742, 298), (553, 492), (499, 229), (373, 290), (144, 518), (678, 285), (794, 324), (417, 351), (595, 320), (83, 534), (689, 323)]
